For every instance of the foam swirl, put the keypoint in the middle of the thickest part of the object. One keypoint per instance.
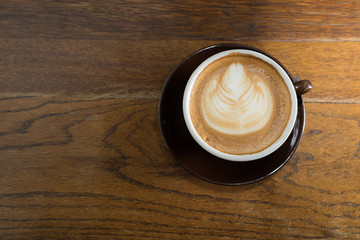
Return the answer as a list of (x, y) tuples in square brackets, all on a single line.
[(236, 103)]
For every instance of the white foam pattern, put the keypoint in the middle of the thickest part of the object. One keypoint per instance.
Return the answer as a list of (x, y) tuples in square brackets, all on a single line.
[(236, 103)]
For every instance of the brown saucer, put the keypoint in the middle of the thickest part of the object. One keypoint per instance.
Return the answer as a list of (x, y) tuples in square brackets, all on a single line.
[(195, 159)]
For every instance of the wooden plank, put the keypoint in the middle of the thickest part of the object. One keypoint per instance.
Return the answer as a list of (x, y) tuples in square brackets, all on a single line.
[(113, 69), (81, 151), (221, 20), (99, 169)]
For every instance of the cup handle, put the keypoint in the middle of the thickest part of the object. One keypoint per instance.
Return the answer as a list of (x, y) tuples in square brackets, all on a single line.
[(302, 86)]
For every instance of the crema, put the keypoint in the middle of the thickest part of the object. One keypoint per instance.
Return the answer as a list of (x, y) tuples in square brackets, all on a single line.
[(240, 104)]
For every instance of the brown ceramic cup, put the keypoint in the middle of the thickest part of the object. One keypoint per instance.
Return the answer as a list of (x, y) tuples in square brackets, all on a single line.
[(295, 89)]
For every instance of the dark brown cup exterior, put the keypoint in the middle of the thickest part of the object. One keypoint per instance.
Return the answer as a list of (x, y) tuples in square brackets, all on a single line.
[(302, 86)]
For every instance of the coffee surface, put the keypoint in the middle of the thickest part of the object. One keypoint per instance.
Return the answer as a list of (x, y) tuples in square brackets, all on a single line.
[(240, 104)]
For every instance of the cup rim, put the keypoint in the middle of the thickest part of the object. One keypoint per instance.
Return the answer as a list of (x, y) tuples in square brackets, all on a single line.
[(240, 157)]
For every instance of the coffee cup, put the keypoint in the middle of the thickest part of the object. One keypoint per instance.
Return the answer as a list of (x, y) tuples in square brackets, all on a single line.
[(241, 105)]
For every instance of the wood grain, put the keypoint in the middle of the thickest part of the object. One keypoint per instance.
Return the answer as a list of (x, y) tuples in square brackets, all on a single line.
[(112, 68), (81, 153), (118, 180), (145, 19)]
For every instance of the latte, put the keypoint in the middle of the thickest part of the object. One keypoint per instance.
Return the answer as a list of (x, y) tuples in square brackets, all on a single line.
[(239, 104)]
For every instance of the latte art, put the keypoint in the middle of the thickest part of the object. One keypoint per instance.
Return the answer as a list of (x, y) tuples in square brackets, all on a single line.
[(239, 104), (236, 103)]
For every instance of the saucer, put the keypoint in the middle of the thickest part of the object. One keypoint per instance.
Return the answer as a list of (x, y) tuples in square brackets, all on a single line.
[(193, 157)]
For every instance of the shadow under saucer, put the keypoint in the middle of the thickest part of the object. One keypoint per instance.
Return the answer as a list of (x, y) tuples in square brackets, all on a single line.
[(193, 157)]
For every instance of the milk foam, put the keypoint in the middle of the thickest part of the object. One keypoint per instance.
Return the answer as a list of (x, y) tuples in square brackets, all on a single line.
[(236, 103)]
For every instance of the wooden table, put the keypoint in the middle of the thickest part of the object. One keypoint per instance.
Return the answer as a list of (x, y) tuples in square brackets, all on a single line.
[(81, 153)]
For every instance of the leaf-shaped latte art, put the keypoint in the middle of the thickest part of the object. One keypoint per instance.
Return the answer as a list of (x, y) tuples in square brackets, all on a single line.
[(236, 103)]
